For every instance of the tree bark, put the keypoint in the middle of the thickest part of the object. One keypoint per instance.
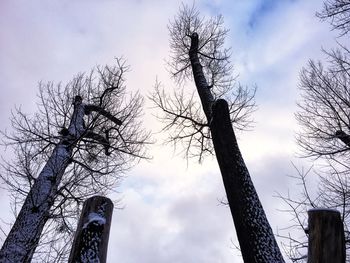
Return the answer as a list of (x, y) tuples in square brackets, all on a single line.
[(203, 89), (326, 237), (254, 233), (91, 238), (24, 236)]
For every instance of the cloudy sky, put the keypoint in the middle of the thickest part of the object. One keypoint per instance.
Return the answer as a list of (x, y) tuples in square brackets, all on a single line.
[(171, 209)]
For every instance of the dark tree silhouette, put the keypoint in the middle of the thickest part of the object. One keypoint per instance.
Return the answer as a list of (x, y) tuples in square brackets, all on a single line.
[(338, 13), (325, 107), (324, 118), (323, 115), (331, 191), (78, 144), (199, 55)]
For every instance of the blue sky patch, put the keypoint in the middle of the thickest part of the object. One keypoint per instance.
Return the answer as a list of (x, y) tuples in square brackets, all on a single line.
[(264, 8)]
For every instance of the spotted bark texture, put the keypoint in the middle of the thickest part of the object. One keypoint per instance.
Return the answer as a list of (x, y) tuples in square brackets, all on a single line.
[(24, 236), (254, 233), (91, 238), (203, 89)]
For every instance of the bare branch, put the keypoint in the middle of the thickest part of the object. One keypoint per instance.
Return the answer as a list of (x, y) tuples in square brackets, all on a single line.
[(104, 137), (338, 13), (198, 54), (324, 111)]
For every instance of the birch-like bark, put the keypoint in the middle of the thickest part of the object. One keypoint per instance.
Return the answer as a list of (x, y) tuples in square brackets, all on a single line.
[(24, 236), (257, 242)]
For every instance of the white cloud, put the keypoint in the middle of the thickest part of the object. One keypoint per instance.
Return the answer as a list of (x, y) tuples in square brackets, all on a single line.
[(175, 216)]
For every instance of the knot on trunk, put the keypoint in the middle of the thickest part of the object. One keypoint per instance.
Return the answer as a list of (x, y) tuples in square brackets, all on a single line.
[(345, 138), (340, 134), (78, 100)]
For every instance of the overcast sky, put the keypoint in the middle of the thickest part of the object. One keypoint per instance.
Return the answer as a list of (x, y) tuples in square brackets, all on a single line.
[(171, 209)]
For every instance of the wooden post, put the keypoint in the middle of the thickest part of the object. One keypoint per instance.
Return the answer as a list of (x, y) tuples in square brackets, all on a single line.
[(91, 238), (326, 237)]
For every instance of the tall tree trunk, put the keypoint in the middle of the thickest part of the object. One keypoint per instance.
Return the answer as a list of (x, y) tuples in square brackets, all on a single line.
[(254, 233), (24, 236), (203, 89)]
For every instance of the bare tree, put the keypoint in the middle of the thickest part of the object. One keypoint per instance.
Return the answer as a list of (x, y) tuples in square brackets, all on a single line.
[(324, 108), (338, 12), (295, 242), (332, 190), (83, 137), (199, 55), (324, 118)]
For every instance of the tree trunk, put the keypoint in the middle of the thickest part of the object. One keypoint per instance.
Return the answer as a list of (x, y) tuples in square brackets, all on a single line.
[(254, 233), (24, 236), (203, 89), (91, 238), (326, 237)]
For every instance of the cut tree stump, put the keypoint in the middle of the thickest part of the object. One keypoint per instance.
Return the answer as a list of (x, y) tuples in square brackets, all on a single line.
[(91, 238), (326, 236)]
